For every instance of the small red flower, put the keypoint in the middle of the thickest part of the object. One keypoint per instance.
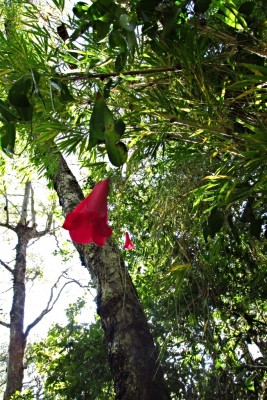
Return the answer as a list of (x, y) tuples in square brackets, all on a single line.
[(128, 244), (88, 222)]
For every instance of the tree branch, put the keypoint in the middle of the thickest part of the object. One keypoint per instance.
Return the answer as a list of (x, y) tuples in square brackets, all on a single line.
[(126, 73), (8, 226), (7, 267), (49, 306), (24, 208), (5, 324)]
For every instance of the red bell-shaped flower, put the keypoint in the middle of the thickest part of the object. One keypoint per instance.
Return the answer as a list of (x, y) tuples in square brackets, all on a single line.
[(88, 222), (128, 244)]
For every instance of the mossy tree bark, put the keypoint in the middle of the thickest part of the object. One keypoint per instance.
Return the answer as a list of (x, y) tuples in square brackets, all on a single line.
[(132, 355)]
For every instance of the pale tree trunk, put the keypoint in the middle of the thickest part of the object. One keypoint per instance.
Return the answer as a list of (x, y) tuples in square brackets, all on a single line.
[(132, 355)]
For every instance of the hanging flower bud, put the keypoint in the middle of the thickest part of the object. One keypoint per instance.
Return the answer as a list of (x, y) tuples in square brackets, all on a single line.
[(88, 222), (128, 244)]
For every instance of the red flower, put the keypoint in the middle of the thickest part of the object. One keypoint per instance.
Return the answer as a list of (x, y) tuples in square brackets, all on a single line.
[(128, 244), (88, 222)]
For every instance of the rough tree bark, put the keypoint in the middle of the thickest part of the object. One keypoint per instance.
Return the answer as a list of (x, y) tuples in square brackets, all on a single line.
[(132, 355)]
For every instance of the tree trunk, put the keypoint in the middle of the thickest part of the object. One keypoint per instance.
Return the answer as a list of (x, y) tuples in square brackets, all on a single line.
[(17, 336), (17, 340), (132, 355)]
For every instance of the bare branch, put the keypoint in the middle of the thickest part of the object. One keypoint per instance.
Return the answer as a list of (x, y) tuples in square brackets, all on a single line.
[(4, 382), (8, 226), (49, 306), (5, 324), (76, 281), (7, 267)]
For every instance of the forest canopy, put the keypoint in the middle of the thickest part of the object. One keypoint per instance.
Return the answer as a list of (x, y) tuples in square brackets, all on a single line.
[(167, 100)]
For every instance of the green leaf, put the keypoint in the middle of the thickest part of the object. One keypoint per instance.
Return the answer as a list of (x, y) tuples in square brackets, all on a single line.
[(112, 83), (126, 23), (101, 121), (8, 138), (6, 113), (215, 222), (20, 92), (255, 228), (120, 127), (80, 10), (250, 383), (65, 95), (131, 41), (101, 29), (120, 61), (60, 4), (117, 153), (117, 40), (25, 113)]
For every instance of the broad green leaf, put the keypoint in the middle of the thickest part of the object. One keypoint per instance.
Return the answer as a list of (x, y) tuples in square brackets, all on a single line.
[(101, 121), (7, 114), (131, 41), (8, 138), (120, 127), (126, 22), (101, 29), (120, 61), (250, 383), (25, 113), (255, 228), (117, 153), (20, 92), (117, 40), (215, 222), (80, 10), (65, 95)]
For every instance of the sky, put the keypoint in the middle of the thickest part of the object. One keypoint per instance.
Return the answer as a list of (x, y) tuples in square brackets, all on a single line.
[(41, 253), (42, 256)]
